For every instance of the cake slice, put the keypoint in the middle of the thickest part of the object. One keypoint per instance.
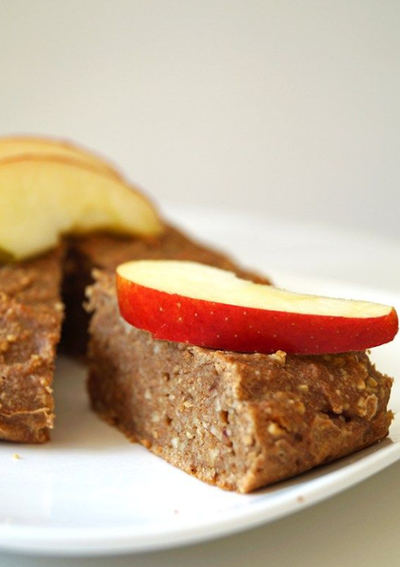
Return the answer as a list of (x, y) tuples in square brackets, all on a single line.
[(31, 314), (240, 421)]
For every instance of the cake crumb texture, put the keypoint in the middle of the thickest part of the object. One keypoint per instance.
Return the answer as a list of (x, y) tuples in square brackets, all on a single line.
[(31, 313)]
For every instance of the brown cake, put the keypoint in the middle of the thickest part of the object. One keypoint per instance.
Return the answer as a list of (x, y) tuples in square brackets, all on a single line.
[(31, 313), (239, 421)]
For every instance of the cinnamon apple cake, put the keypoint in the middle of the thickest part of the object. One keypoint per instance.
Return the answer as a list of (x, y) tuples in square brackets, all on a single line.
[(240, 421), (236, 420)]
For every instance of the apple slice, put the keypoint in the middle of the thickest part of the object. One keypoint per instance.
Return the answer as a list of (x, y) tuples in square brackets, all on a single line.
[(41, 199), (192, 303), (12, 146)]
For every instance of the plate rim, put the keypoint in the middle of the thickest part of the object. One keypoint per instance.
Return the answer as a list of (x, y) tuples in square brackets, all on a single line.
[(83, 541)]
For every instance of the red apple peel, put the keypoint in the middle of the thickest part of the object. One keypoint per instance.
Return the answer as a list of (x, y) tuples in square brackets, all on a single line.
[(243, 328)]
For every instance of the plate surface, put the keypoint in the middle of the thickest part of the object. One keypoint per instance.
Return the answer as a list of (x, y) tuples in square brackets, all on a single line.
[(91, 492)]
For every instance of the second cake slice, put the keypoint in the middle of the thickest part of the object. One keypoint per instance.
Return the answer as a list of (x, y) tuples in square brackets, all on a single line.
[(240, 421)]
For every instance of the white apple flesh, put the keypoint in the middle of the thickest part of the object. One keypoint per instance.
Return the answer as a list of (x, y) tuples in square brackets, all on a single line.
[(205, 306), (42, 198)]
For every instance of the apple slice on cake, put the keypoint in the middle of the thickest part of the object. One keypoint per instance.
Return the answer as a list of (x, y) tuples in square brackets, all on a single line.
[(42, 198), (192, 303)]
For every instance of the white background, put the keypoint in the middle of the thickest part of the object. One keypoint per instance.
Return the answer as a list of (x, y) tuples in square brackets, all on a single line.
[(288, 109), (285, 107)]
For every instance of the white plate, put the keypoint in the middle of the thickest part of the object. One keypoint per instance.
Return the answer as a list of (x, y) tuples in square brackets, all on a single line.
[(91, 492)]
